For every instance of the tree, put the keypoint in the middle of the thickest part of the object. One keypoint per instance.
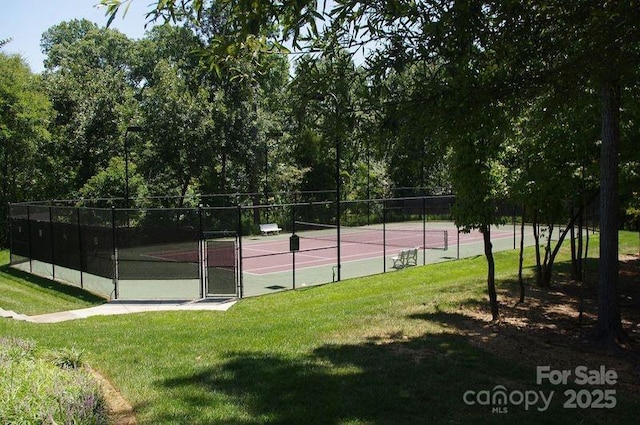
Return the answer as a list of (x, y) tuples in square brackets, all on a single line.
[(87, 78), (552, 173), (179, 133), (25, 114), (325, 111), (477, 172), (110, 183), (512, 49), (408, 135), (587, 30)]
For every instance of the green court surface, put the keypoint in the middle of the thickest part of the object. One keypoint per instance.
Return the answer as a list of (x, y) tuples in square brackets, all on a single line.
[(470, 245)]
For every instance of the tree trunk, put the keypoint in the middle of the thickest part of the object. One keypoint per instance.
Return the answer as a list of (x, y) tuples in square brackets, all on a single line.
[(183, 190), (223, 174), (609, 327), (579, 262), (547, 266), (574, 255), (491, 271), (536, 238), (254, 188), (550, 256)]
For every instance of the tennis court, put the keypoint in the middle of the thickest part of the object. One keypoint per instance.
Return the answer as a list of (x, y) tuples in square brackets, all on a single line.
[(191, 253), (318, 246), (269, 265)]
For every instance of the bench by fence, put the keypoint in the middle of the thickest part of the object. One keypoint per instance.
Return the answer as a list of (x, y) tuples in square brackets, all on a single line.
[(405, 258), (269, 228)]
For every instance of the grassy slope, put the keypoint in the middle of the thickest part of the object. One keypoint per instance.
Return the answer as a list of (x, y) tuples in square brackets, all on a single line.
[(31, 295), (372, 350)]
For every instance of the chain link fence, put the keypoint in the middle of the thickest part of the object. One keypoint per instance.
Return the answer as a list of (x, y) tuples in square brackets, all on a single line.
[(221, 247)]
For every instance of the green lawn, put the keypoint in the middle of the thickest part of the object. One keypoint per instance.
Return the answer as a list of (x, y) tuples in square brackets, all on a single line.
[(30, 295), (375, 350)]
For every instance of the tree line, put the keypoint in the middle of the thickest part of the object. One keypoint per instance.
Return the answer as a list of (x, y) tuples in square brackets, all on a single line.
[(534, 103)]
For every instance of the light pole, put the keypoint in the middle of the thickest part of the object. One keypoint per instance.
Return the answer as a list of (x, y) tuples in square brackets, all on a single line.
[(130, 129), (338, 130)]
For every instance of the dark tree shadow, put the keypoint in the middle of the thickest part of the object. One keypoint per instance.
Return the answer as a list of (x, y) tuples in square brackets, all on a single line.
[(402, 382), (388, 380), (396, 379)]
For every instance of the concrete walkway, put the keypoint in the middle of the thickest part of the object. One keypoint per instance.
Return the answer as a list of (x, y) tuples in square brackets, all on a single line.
[(124, 307)]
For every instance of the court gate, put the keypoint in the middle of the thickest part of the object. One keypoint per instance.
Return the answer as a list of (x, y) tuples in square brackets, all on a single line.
[(220, 267)]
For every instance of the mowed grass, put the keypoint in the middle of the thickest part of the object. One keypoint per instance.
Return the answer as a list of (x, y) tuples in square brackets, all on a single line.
[(376, 350), (31, 295)]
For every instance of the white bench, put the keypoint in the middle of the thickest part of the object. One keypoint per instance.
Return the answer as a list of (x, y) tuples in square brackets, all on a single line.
[(269, 228), (412, 257), (405, 258)]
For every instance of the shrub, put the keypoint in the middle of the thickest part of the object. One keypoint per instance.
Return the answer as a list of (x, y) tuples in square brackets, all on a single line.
[(35, 390), (67, 358)]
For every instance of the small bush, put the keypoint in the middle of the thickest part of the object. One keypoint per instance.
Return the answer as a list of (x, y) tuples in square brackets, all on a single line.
[(67, 358), (35, 390)]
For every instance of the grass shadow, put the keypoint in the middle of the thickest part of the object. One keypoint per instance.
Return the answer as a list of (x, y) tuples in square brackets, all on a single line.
[(555, 325), (52, 286), (394, 380), (401, 382)]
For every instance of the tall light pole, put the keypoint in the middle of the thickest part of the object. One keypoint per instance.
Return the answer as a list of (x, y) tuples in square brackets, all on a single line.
[(338, 130), (130, 129)]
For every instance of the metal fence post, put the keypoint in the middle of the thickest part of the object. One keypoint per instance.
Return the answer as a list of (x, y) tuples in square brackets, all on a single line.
[(514, 227), (29, 233), (201, 253), (53, 248), (384, 236), (240, 279), (338, 220), (115, 252), (424, 231), (80, 248), (9, 233), (293, 252)]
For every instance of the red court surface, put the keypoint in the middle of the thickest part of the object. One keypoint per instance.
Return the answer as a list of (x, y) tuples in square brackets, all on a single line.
[(264, 256)]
